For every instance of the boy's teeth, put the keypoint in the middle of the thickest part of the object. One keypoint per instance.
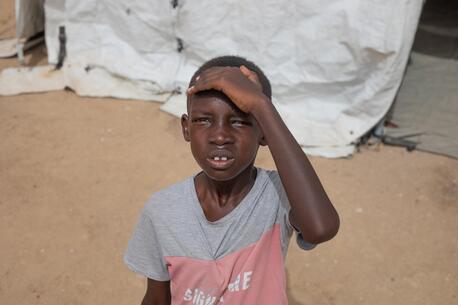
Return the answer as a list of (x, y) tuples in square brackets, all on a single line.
[(223, 158)]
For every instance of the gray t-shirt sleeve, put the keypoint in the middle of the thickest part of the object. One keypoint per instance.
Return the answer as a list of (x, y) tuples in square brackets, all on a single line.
[(144, 254), (283, 214)]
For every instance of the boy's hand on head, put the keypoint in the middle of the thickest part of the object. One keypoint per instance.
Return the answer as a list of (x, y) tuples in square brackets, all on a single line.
[(241, 85)]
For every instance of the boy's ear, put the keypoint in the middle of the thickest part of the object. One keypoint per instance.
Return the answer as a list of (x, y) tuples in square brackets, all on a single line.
[(185, 128)]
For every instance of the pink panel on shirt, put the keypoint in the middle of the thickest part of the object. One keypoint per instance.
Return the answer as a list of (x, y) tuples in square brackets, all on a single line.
[(253, 275)]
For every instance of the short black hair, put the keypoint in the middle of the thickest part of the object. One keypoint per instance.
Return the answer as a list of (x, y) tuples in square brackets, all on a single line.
[(236, 61)]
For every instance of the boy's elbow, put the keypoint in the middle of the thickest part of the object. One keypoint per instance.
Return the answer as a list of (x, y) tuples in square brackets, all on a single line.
[(331, 231), (322, 232)]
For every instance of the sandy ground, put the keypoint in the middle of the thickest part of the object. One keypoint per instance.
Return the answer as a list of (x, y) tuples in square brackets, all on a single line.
[(75, 172)]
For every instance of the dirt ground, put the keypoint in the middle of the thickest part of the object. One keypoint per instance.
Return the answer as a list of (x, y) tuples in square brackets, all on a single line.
[(75, 172)]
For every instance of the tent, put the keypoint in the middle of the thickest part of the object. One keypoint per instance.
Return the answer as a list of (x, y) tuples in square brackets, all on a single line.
[(29, 29), (335, 66)]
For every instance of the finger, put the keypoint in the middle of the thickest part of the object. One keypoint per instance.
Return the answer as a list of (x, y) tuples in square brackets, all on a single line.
[(250, 74), (212, 71), (206, 83), (203, 77), (212, 78), (245, 70)]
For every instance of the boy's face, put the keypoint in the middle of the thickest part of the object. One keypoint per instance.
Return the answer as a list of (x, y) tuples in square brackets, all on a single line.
[(224, 140)]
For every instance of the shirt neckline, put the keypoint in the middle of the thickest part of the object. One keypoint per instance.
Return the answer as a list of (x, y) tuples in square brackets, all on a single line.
[(260, 177)]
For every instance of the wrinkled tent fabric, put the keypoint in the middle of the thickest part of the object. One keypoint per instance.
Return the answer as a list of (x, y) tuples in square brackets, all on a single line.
[(30, 20), (29, 17), (335, 66)]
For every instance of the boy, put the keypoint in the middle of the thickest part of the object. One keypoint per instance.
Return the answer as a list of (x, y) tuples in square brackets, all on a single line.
[(220, 237)]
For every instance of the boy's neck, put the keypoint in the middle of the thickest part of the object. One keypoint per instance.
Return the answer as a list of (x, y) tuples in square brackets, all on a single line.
[(222, 193)]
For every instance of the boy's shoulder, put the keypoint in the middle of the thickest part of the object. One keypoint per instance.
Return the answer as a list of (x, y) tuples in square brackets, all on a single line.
[(169, 197), (174, 190), (272, 177)]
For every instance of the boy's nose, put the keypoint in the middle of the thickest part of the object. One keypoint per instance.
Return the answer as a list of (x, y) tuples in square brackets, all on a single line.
[(220, 135)]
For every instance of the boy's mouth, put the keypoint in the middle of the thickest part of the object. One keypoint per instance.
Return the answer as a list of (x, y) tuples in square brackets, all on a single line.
[(220, 159), (220, 163)]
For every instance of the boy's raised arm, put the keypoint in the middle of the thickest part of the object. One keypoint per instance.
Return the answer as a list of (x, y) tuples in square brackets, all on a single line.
[(312, 213)]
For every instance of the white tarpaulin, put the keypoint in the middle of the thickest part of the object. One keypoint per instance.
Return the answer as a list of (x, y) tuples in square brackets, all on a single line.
[(334, 65), (30, 20)]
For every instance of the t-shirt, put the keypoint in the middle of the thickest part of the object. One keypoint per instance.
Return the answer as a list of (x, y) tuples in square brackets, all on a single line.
[(236, 260)]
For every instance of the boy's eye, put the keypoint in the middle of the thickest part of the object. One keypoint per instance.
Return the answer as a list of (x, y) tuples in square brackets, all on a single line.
[(240, 122), (201, 120)]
